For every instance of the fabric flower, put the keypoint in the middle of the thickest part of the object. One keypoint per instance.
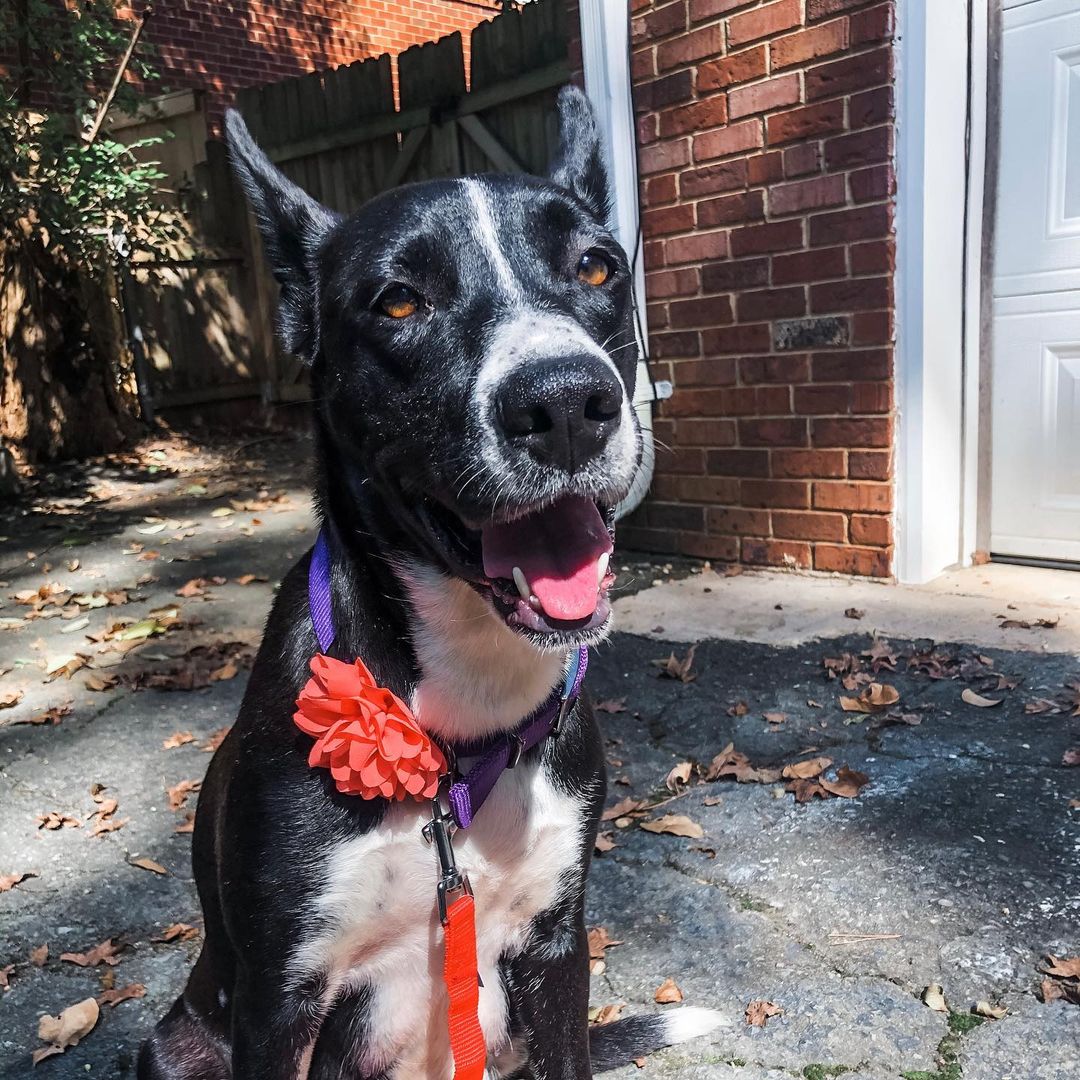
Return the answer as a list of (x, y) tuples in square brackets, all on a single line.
[(365, 735)]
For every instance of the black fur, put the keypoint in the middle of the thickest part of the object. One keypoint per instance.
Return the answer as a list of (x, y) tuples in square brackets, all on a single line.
[(400, 448)]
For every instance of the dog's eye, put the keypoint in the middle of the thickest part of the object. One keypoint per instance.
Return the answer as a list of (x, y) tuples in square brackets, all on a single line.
[(399, 302), (593, 269)]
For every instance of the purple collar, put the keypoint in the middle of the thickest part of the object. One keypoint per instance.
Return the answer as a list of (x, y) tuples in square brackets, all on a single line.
[(467, 793)]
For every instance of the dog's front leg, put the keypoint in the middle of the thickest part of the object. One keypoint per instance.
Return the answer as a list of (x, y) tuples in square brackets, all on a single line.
[(273, 1030), (550, 987)]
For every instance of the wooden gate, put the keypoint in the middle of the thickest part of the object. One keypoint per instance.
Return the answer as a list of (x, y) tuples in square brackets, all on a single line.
[(340, 136)]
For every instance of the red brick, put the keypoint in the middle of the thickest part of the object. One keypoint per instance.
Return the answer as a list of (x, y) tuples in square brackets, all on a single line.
[(662, 21), (697, 45), (634, 537), (816, 265), (860, 148), (735, 138), (787, 553), (822, 9), (809, 44), (791, 525), (666, 91), (870, 108), (646, 127), (871, 397), (825, 399), (675, 516), (773, 93), (877, 182), (873, 257), (848, 75), (657, 315), (861, 432), (872, 328), (822, 119), (739, 401), (771, 236), (710, 489), (851, 365), (664, 283), (731, 70), (773, 431), (863, 223), (764, 21), (735, 521), (687, 402), (642, 64), (854, 294), (738, 463), (680, 344), (737, 274), (770, 494), (661, 189), (727, 176), (802, 159), (873, 25), (871, 530), (712, 371), (702, 245), (810, 194), (706, 311), (719, 548), (774, 369), (664, 156), (732, 209), (696, 117), (867, 562), (708, 9), (870, 465), (685, 460), (764, 168), (669, 219), (771, 304), (654, 254), (738, 339), (807, 464), (831, 495)]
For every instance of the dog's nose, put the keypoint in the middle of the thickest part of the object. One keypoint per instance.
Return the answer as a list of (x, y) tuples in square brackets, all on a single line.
[(561, 412)]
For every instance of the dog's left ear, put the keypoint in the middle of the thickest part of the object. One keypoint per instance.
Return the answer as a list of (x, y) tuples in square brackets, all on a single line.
[(579, 166), (293, 225)]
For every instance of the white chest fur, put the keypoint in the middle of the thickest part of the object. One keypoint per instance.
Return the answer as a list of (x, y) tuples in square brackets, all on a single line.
[(380, 923)]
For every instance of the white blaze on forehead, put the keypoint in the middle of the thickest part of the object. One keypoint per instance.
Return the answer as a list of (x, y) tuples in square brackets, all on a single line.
[(487, 233)]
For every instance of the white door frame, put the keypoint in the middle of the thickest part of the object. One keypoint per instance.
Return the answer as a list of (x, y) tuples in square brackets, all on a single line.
[(940, 343)]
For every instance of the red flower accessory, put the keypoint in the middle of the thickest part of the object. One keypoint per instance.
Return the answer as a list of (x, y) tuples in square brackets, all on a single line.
[(365, 735)]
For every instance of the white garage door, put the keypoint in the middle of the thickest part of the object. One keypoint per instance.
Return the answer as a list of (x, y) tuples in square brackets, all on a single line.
[(1035, 509)]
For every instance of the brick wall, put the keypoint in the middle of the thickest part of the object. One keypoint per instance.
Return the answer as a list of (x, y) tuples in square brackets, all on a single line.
[(223, 45), (766, 147)]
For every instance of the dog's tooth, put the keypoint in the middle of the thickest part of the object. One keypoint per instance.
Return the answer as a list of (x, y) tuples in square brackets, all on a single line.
[(601, 568), (522, 583), (534, 603)]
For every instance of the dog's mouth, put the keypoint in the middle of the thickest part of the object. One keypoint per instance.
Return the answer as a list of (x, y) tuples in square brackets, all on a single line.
[(545, 570)]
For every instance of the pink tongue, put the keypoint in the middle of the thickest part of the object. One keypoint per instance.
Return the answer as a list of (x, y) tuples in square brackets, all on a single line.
[(558, 550)]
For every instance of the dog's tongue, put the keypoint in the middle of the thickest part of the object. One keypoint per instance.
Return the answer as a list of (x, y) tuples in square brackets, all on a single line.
[(558, 550)]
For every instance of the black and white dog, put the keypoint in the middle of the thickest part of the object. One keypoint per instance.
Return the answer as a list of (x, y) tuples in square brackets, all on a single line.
[(472, 367)]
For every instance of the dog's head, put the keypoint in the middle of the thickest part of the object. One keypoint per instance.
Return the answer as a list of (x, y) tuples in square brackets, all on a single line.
[(473, 362)]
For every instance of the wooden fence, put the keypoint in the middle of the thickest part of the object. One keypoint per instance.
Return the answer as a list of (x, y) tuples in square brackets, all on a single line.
[(207, 316)]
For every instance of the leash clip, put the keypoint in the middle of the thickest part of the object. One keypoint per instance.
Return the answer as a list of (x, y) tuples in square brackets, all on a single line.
[(452, 882)]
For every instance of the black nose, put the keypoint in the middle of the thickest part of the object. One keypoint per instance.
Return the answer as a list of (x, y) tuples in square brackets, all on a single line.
[(562, 411)]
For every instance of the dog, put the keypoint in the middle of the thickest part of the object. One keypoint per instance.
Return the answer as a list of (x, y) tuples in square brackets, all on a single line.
[(472, 359)]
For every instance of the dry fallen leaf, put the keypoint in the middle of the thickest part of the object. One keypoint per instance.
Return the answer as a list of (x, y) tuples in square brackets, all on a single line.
[(214, 740), (806, 770), (54, 820), (10, 698), (177, 738), (225, 672), (39, 956), (182, 932), (605, 842), (733, 763), (125, 993), (178, 795), (188, 824), (65, 1030), (605, 1014), (774, 717), (934, 998), (612, 705), (991, 1012), (874, 698), (9, 881), (678, 777), (675, 825), (978, 700), (667, 992), (148, 864), (1062, 969), (621, 808), (105, 953), (599, 940), (848, 783), (758, 1012), (1071, 757), (673, 668)]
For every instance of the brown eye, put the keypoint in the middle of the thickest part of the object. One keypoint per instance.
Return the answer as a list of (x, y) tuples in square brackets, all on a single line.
[(399, 302), (593, 269)]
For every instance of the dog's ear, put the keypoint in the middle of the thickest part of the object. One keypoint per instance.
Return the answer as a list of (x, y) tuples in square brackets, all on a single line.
[(293, 225), (579, 166)]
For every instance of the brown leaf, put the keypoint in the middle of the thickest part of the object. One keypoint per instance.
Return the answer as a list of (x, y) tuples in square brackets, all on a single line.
[(148, 864), (758, 1012), (853, 613), (848, 783), (227, 671), (1071, 757), (10, 698), (178, 794), (5, 976), (105, 953), (1062, 969), (101, 682), (740, 708), (54, 820), (612, 705), (214, 740), (978, 700), (991, 1012), (599, 940), (188, 824), (678, 777), (65, 1030), (605, 842), (675, 825), (9, 881), (39, 956), (934, 998), (178, 931), (51, 715), (177, 738), (733, 763), (874, 698), (667, 992), (673, 668), (805, 770), (125, 993), (247, 579), (774, 717), (604, 1014), (621, 808)]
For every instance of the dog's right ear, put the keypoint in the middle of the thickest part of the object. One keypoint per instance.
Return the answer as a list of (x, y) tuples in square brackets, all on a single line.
[(293, 225), (579, 165)]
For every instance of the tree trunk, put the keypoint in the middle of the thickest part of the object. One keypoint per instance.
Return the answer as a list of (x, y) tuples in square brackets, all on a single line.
[(66, 389)]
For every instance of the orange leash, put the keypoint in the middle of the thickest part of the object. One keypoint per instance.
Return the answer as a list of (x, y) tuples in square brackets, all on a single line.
[(463, 988)]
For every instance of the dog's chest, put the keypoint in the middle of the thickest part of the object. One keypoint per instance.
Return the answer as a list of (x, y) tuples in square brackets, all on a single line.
[(378, 924)]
